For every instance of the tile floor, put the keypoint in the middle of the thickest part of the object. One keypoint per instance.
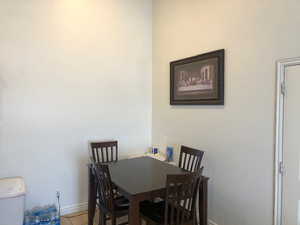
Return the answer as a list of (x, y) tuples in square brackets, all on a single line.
[(81, 218), (75, 219)]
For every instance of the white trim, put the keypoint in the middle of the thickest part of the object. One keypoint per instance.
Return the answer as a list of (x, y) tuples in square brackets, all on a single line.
[(74, 208), (210, 222), (279, 123)]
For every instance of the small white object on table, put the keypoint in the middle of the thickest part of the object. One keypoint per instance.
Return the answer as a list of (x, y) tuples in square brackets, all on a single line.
[(155, 156)]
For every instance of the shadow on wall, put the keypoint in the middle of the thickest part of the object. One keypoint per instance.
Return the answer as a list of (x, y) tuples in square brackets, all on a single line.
[(83, 160), (2, 86)]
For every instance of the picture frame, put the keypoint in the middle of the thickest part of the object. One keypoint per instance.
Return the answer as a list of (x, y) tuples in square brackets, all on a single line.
[(198, 80)]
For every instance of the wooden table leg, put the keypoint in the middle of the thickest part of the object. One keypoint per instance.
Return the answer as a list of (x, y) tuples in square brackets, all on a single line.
[(203, 201), (134, 212), (92, 197)]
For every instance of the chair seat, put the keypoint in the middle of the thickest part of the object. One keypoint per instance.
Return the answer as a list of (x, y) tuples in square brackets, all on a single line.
[(121, 206), (121, 203), (155, 211)]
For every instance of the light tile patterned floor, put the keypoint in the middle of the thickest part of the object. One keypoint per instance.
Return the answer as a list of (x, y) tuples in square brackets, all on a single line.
[(81, 218)]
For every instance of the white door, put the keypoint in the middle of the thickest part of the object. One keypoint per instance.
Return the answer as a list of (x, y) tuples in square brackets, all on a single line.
[(291, 148)]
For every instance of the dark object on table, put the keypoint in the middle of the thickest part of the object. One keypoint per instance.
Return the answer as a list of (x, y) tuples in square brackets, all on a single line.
[(108, 202), (104, 152), (198, 80), (190, 158), (180, 202)]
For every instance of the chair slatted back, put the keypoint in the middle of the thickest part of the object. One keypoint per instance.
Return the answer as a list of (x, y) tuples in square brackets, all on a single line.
[(104, 152), (105, 187), (190, 159), (181, 197)]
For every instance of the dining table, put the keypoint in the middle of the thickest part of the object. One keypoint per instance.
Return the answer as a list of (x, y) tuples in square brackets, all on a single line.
[(139, 179)]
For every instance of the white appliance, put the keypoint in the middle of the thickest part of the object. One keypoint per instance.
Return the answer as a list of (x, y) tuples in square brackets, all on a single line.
[(12, 200)]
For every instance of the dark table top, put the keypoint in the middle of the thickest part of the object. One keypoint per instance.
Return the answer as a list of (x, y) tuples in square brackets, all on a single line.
[(141, 175)]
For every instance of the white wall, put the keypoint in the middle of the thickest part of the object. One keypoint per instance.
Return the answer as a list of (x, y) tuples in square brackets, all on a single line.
[(71, 71), (238, 137), (75, 70)]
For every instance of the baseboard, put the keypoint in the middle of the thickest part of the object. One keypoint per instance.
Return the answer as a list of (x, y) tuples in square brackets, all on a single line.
[(74, 208), (210, 222)]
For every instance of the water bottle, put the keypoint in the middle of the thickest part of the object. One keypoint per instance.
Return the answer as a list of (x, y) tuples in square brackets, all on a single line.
[(170, 153), (37, 220), (29, 220)]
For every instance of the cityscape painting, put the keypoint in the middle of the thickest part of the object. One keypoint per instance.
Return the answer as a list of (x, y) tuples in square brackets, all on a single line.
[(198, 80)]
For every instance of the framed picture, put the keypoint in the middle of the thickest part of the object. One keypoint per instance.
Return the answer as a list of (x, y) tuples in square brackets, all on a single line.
[(198, 80)]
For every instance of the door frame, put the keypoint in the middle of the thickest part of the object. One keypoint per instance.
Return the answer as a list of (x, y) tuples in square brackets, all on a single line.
[(281, 66)]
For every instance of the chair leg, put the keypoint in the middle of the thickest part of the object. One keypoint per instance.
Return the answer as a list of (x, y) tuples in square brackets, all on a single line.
[(113, 220), (103, 219), (100, 218)]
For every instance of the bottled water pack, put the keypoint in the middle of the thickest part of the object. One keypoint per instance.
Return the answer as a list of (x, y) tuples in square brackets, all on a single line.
[(47, 215)]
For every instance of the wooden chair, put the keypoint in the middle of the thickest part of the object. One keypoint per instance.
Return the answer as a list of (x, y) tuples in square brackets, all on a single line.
[(104, 152), (179, 205), (190, 159), (109, 203)]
